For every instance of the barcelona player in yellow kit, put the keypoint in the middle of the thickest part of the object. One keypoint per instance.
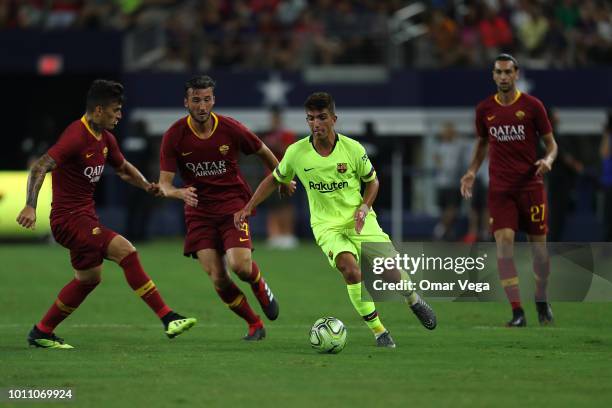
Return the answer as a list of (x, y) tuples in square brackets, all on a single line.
[(332, 168)]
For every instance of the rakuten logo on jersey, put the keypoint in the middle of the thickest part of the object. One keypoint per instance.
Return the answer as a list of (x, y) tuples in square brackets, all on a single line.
[(508, 133), (212, 168), (93, 173), (324, 187)]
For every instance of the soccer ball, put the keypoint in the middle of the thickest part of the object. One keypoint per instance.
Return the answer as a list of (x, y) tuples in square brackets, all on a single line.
[(328, 335)]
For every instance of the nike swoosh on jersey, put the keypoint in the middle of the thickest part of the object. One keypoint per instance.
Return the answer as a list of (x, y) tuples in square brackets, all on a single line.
[(489, 118), (309, 169), (243, 239), (88, 155), (186, 154)]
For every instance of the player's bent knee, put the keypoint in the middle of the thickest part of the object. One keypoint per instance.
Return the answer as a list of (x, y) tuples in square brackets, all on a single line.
[(242, 269), (355, 276), (239, 260), (505, 239), (91, 276), (350, 271), (505, 243), (91, 281), (352, 277), (119, 248), (124, 254)]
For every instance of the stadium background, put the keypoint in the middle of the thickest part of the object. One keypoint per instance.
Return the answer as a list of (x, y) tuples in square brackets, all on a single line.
[(399, 70)]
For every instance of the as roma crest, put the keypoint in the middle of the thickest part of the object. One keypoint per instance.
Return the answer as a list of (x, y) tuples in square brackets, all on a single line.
[(520, 114), (224, 149), (105, 151), (341, 168)]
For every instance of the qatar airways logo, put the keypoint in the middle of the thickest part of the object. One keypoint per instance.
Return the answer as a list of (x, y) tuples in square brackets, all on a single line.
[(93, 173), (508, 133), (324, 187), (211, 168)]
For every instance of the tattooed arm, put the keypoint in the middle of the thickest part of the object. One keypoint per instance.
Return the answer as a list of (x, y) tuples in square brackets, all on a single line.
[(27, 216)]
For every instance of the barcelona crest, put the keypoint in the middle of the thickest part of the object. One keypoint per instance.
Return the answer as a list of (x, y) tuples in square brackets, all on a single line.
[(341, 168)]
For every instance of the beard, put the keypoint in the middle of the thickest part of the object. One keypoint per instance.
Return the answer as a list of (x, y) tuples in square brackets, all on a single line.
[(195, 116)]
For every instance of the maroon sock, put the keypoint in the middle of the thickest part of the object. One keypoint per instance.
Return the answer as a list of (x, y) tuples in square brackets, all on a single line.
[(69, 298), (237, 302), (142, 284), (541, 271), (509, 280)]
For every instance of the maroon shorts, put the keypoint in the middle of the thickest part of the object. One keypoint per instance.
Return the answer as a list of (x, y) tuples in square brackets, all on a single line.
[(214, 232), (85, 237), (519, 210)]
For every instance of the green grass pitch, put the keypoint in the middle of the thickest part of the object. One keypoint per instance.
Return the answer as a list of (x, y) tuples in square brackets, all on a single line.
[(123, 359)]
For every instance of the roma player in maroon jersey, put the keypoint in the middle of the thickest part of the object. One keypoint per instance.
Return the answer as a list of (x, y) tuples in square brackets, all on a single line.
[(511, 124), (204, 148), (77, 161)]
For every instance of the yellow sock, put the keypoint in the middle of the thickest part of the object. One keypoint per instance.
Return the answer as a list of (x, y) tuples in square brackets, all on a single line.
[(366, 309)]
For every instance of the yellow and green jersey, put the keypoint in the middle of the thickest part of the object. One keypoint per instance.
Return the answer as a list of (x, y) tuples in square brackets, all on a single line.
[(333, 183)]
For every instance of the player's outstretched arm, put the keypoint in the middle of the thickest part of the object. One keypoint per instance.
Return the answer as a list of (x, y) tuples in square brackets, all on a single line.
[(130, 174), (167, 189), (265, 188), (270, 161), (480, 152), (544, 165), (27, 216), (267, 157), (369, 195)]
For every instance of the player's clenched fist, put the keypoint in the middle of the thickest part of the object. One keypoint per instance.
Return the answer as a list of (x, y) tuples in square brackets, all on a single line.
[(27, 217)]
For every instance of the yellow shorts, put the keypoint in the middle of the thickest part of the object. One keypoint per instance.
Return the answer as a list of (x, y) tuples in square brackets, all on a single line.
[(334, 241)]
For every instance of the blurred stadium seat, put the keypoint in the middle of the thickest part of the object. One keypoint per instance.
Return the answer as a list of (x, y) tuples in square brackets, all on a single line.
[(398, 69)]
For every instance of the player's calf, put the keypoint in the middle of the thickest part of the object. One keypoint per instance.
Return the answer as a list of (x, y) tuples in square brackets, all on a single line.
[(233, 297)]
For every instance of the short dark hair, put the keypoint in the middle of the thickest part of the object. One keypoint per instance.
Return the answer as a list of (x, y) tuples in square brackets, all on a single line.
[(200, 82), (320, 101), (103, 92), (507, 57)]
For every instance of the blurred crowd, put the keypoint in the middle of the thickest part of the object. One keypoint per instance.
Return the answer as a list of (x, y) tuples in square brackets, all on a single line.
[(543, 34), (291, 34)]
